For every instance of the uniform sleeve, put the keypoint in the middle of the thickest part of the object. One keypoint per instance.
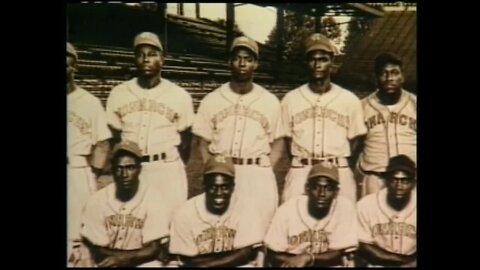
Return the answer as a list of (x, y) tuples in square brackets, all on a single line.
[(202, 125), (356, 125), (182, 241), (100, 130), (345, 234), (156, 223), (187, 115), (93, 220), (363, 220), (276, 238), (113, 118), (249, 231), (286, 118), (278, 130)]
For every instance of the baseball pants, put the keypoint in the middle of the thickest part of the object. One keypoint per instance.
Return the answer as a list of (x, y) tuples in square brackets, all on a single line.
[(259, 186), (169, 179), (297, 177), (368, 182)]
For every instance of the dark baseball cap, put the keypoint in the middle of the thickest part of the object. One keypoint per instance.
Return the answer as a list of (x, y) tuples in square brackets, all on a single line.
[(128, 146), (220, 164), (320, 169), (401, 163)]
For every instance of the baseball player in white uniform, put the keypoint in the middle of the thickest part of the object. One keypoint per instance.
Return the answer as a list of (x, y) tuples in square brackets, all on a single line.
[(387, 219), (242, 120), (87, 148), (126, 223), (391, 119), (319, 229), (157, 115), (322, 121), (214, 229)]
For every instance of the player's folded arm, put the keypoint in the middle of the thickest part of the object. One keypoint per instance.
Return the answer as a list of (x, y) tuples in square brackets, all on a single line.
[(231, 258), (379, 256), (126, 258)]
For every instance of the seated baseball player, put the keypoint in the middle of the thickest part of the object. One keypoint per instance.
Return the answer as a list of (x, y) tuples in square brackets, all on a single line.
[(317, 229), (125, 224), (387, 219), (214, 229)]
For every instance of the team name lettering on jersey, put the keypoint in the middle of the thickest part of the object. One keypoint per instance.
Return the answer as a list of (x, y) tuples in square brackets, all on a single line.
[(148, 105), (129, 221), (395, 118), (395, 228), (80, 123), (321, 112), (238, 110), (213, 240), (318, 240)]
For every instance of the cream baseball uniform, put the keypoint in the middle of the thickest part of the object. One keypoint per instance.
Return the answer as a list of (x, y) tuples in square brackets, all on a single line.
[(381, 225), (392, 131), (295, 231), (320, 127), (111, 223), (86, 126), (243, 126), (195, 231), (153, 119)]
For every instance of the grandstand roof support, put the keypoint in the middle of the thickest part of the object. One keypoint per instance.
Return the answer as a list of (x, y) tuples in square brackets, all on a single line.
[(229, 25), (162, 15)]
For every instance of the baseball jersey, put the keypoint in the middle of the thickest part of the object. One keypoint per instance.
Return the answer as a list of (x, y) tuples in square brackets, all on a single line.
[(108, 222), (86, 126), (381, 225), (195, 231), (295, 231), (320, 125), (391, 131), (239, 125), (152, 118)]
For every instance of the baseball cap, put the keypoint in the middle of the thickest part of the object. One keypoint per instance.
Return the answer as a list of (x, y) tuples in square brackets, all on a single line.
[(220, 164), (71, 50), (127, 146), (147, 38), (318, 41), (401, 163), (320, 169), (246, 42)]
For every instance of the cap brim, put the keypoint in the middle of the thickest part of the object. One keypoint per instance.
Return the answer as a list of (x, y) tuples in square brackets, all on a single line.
[(400, 168), (219, 171), (148, 42), (328, 175), (319, 47)]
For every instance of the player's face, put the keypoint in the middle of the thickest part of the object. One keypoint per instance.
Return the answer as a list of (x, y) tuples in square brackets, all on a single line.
[(71, 67), (125, 173), (399, 185), (321, 192), (319, 64), (243, 64), (390, 79), (218, 191), (149, 60)]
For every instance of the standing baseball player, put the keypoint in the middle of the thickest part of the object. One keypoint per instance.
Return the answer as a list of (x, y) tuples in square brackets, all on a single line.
[(319, 229), (157, 115), (214, 229), (388, 218), (323, 122), (391, 118), (126, 223), (87, 148), (242, 120)]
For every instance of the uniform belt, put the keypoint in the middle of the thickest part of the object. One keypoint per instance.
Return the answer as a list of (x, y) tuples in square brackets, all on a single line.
[(154, 157), (337, 161), (379, 174), (246, 161)]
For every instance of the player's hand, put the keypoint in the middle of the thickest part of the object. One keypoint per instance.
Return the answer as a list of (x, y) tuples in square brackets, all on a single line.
[(113, 261), (301, 260)]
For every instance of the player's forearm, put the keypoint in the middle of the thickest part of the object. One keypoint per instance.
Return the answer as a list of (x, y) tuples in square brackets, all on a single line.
[(277, 259), (376, 255), (129, 258), (203, 146), (329, 258), (356, 146), (277, 149), (100, 154), (288, 146), (226, 259), (185, 145)]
